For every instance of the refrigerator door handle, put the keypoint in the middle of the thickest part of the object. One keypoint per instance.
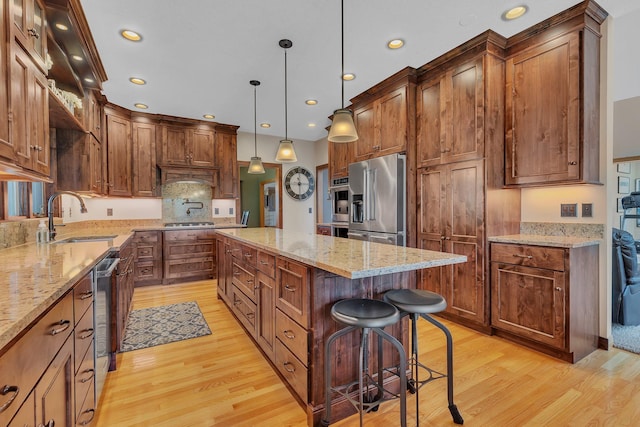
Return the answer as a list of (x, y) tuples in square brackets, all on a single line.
[(371, 193)]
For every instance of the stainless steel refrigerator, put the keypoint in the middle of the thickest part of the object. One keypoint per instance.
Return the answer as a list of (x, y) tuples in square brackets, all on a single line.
[(377, 200)]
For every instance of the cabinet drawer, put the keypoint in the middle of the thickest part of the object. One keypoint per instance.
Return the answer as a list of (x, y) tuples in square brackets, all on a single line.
[(266, 263), (83, 336), (147, 251), (293, 336), (530, 256), (188, 267), (147, 236), (292, 369), (292, 283), (85, 413), (187, 235), (85, 378), (245, 280), (245, 309), (21, 366), (82, 297)]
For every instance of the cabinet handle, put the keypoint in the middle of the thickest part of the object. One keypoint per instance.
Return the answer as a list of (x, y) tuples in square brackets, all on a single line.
[(50, 423), (447, 238), (251, 315), (445, 150), (289, 288), (573, 162), (87, 411), (9, 389), (247, 255), (558, 288), (91, 373), (236, 273), (441, 237), (289, 334), (249, 280), (33, 33), (228, 251), (264, 262), (65, 325), (87, 333), (292, 369), (523, 256), (86, 295)]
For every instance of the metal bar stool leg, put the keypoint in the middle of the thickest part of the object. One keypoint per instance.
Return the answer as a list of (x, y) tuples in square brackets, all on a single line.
[(327, 371)]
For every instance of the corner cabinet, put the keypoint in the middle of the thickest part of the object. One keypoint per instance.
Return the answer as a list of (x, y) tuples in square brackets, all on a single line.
[(226, 147), (546, 297), (144, 171), (552, 132)]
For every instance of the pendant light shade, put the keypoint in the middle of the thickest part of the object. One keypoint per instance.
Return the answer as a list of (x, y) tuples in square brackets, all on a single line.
[(255, 166), (342, 128), (286, 153)]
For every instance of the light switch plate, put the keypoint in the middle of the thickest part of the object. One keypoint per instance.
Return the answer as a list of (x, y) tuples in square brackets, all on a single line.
[(109, 212), (587, 209), (569, 209), (216, 211)]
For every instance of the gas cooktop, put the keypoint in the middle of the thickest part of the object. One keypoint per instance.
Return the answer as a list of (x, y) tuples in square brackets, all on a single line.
[(188, 224)]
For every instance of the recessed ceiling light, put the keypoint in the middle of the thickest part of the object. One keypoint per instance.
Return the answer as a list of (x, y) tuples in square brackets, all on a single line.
[(89, 80), (77, 58), (141, 106), (395, 44), (515, 12), (131, 35), (209, 116), (348, 76), (311, 125), (265, 125), (311, 102), (62, 27), (137, 81)]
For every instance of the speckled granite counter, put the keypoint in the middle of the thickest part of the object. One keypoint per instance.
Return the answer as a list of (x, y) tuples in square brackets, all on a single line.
[(542, 240), (349, 258)]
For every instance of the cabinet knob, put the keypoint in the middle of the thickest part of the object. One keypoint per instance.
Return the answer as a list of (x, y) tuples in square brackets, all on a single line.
[(573, 163), (558, 288), (441, 237), (33, 33)]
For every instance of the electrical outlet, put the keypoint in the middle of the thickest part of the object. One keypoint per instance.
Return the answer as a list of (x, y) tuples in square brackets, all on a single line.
[(587, 209), (109, 212), (569, 209), (230, 211), (216, 211), (310, 210)]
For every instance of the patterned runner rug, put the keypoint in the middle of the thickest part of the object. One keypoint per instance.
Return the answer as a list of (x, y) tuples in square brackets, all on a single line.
[(626, 337), (149, 327)]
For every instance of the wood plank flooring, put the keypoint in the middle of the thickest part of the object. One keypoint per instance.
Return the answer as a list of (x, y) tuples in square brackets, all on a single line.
[(223, 380)]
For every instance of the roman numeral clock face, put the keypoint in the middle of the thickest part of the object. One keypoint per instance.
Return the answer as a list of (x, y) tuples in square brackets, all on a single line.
[(299, 183)]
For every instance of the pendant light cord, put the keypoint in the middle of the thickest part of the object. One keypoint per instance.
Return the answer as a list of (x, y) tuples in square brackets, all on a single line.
[(285, 95), (342, 46), (255, 123)]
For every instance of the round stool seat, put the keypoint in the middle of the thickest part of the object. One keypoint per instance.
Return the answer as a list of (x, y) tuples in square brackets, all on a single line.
[(416, 301), (365, 313)]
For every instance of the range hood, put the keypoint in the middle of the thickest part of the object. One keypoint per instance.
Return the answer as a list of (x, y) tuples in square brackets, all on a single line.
[(178, 173)]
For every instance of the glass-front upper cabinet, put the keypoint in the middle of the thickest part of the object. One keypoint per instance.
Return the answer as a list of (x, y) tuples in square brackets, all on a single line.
[(29, 29)]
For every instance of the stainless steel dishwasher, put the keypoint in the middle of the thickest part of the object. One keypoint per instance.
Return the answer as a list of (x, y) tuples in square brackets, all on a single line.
[(104, 281)]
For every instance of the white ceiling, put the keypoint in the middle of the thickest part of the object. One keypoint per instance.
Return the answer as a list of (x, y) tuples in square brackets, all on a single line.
[(199, 55)]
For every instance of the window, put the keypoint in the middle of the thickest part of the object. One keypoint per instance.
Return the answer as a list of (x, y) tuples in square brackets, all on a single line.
[(24, 199), (38, 199)]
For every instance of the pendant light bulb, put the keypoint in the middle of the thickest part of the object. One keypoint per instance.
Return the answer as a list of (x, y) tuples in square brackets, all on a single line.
[(286, 153), (342, 127), (255, 166)]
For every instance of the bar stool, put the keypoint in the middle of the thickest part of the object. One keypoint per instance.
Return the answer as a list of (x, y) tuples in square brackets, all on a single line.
[(367, 315), (417, 303)]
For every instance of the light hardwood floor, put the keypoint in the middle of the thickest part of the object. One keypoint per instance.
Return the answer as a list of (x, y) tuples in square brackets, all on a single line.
[(223, 380)]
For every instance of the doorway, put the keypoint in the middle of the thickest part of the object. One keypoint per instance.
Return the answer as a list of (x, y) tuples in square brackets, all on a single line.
[(261, 195)]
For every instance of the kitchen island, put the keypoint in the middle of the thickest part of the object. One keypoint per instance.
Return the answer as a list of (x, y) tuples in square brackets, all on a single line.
[(282, 284)]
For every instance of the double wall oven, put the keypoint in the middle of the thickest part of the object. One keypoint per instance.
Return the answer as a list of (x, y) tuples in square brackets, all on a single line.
[(339, 191)]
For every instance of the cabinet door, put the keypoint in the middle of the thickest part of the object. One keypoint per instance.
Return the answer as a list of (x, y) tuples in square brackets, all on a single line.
[(6, 149), (529, 302), (119, 155), (543, 113), (39, 118), (20, 93), (221, 273), (339, 159), (26, 415), (265, 333), (364, 119), (29, 29), (391, 118), (201, 150), (431, 223), (292, 290), (226, 159), (430, 123), (95, 158), (54, 392), (144, 159), (174, 145)]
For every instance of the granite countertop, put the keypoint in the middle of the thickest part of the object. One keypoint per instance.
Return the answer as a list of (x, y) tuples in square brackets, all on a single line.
[(543, 240), (349, 258)]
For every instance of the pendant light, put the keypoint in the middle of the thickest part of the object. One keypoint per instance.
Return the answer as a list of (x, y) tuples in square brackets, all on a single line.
[(286, 152), (342, 127), (255, 167)]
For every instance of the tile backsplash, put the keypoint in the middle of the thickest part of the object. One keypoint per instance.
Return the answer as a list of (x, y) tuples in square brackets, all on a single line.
[(186, 202)]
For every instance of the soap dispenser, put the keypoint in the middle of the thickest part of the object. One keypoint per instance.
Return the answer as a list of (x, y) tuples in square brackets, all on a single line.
[(42, 233)]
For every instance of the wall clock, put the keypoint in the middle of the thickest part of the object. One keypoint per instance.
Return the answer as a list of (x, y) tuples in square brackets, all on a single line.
[(299, 183)]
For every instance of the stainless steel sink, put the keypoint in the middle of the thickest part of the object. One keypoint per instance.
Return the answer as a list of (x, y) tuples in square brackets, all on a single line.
[(80, 239)]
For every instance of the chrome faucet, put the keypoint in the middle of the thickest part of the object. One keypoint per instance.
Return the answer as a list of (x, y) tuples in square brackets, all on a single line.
[(52, 228)]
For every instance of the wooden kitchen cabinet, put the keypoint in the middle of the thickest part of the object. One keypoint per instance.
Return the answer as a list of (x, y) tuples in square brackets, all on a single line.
[(119, 156), (147, 262), (340, 155), (79, 157), (227, 162), (29, 29), (6, 147), (188, 145), (123, 293), (54, 392), (30, 113), (84, 343), (144, 159), (94, 112), (546, 297), (188, 255), (224, 262), (553, 100), (382, 116)]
